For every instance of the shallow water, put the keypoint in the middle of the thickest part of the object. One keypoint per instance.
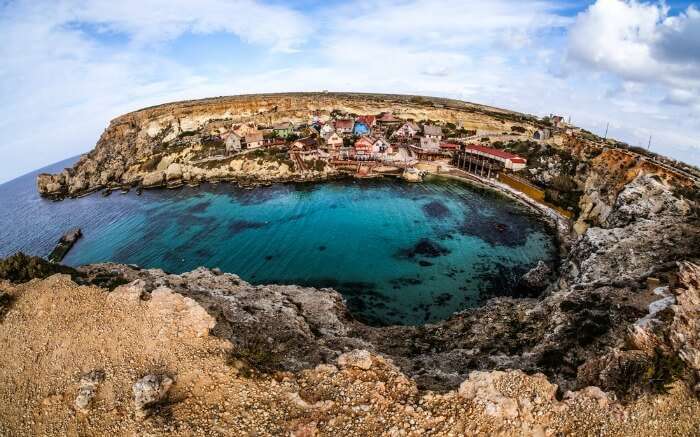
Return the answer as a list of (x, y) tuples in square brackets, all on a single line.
[(400, 253)]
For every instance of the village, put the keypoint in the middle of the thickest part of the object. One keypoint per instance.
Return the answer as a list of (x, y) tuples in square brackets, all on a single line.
[(382, 144)]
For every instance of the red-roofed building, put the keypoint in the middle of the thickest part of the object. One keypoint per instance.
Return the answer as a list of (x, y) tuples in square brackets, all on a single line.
[(388, 118), (364, 147), (344, 126), (449, 147), (509, 160), (368, 120)]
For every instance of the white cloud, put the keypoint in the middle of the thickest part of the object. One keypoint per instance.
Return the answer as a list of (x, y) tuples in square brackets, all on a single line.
[(639, 42), (62, 78), (153, 21)]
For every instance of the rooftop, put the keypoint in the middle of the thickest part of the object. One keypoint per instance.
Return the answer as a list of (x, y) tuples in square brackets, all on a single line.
[(496, 152)]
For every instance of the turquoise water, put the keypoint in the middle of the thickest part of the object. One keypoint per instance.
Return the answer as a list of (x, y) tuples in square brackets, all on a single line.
[(400, 253)]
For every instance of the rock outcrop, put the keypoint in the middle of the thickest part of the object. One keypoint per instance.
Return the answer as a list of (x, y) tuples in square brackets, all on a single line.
[(58, 329)]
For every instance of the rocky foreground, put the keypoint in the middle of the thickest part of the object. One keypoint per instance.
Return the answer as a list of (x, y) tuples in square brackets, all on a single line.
[(81, 360)]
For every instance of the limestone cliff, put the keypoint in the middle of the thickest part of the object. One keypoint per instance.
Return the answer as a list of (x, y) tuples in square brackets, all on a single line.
[(171, 143)]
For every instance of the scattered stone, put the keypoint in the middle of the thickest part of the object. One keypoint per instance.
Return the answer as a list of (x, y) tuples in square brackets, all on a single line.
[(148, 391), (361, 359), (183, 312), (88, 389)]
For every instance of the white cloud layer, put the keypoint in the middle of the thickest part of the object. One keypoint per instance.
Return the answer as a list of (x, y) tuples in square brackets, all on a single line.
[(641, 42), (70, 66)]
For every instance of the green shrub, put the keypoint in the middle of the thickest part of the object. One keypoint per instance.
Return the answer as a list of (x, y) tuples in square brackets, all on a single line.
[(22, 268)]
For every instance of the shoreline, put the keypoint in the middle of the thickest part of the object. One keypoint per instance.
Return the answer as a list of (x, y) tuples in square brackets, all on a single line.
[(560, 224)]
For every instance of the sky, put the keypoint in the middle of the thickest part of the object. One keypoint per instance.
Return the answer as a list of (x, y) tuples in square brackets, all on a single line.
[(70, 66)]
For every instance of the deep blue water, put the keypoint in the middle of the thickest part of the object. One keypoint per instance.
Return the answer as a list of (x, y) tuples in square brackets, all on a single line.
[(399, 252)]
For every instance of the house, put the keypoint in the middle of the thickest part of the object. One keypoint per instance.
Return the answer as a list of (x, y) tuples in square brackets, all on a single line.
[(557, 120), (308, 143), (243, 129), (360, 129), (387, 118), (507, 159), (326, 130), (334, 141), (400, 155), (347, 152), (284, 129), (429, 144), (432, 131), (233, 142), (344, 126), (254, 139), (407, 130), (364, 148), (369, 120), (449, 147), (542, 135), (380, 148)]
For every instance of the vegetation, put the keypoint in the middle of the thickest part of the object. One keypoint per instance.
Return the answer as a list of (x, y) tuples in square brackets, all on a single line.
[(278, 155), (5, 302), (22, 268)]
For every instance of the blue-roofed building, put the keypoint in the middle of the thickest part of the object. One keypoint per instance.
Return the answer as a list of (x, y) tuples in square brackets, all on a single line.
[(360, 129)]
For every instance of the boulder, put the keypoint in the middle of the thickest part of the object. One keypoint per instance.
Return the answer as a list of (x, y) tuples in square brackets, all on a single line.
[(360, 359), (148, 391), (174, 172), (537, 279), (183, 312), (153, 179), (88, 389), (131, 292)]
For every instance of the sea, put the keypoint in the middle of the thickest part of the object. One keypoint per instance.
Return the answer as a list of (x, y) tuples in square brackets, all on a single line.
[(399, 252)]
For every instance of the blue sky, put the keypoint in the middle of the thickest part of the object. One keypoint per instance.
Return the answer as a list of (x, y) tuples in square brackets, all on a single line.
[(69, 66)]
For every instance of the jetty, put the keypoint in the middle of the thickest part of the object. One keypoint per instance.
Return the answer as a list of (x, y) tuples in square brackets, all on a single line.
[(64, 245)]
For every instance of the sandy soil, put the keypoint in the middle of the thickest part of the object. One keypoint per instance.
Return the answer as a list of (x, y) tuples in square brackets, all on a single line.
[(55, 331)]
